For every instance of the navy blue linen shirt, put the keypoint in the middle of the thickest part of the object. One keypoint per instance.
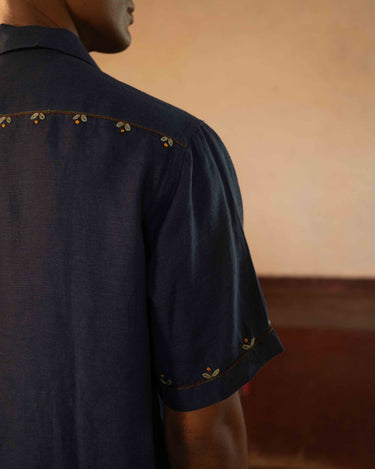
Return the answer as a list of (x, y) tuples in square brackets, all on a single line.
[(126, 281)]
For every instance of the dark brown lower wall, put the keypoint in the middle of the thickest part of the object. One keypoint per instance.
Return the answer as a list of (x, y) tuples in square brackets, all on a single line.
[(315, 403)]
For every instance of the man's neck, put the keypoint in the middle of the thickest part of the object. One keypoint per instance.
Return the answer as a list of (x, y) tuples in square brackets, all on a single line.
[(24, 13)]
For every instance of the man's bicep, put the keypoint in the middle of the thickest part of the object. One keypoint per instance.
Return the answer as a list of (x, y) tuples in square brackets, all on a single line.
[(196, 423)]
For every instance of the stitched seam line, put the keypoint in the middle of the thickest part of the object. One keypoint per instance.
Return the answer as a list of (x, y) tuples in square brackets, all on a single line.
[(184, 158), (270, 328), (50, 111)]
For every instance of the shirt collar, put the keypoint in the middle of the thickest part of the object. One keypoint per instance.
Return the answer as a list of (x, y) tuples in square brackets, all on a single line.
[(20, 37)]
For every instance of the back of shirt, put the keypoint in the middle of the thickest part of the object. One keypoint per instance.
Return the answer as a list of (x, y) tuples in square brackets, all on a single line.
[(126, 280)]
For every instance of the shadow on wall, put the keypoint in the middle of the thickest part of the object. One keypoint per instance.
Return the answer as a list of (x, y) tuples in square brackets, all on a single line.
[(312, 407)]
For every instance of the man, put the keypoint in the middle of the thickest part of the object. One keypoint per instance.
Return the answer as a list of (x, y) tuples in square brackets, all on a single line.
[(130, 310)]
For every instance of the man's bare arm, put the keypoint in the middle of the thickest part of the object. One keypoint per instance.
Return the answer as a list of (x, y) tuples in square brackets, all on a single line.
[(210, 438)]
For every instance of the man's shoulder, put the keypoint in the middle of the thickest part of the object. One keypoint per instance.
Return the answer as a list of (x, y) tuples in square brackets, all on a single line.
[(126, 102)]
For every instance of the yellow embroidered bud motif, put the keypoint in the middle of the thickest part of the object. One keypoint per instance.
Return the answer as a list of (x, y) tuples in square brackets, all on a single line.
[(168, 382), (4, 120), (168, 142), (80, 116), (245, 346), (212, 375), (123, 126), (36, 116)]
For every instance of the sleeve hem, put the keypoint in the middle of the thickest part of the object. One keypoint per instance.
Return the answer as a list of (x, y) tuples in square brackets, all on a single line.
[(236, 375)]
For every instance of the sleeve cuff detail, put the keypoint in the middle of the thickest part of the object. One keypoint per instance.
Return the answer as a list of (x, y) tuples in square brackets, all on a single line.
[(221, 384)]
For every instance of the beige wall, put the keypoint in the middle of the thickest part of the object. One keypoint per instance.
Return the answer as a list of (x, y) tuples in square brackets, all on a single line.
[(289, 87)]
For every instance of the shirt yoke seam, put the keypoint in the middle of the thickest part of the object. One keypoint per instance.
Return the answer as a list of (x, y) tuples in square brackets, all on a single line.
[(51, 111)]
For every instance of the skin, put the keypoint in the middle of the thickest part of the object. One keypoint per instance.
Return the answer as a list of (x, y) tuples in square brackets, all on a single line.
[(101, 25), (211, 437)]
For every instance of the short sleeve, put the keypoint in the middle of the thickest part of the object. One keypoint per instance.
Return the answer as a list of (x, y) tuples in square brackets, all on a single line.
[(209, 327)]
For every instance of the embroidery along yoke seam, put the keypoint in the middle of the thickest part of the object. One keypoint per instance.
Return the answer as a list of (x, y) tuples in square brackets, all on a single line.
[(51, 111)]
